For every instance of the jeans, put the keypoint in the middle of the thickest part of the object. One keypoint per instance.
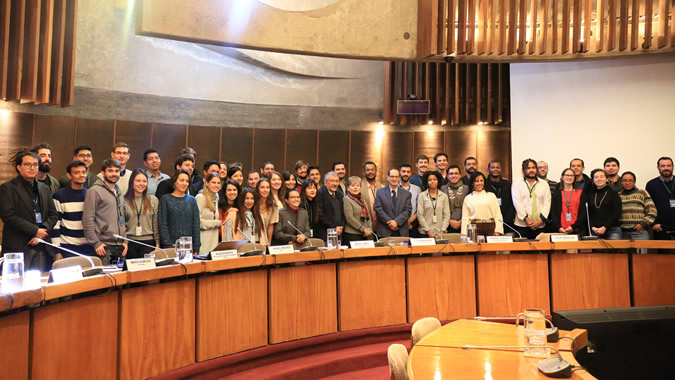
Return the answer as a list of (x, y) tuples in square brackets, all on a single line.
[(612, 233), (635, 235)]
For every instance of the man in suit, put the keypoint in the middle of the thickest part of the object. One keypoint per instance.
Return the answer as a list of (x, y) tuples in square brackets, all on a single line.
[(331, 211), (393, 207), (27, 211), (370, 186)]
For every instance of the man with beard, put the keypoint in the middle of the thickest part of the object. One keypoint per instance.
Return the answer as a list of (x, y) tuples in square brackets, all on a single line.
[(44, 152), (612, 168), (120, 153), (470, 167), (369, 187), (532, 200), (27, 211), (300, 168), (441, 162), (456, 191), (339, 168), (414, 190), (662, 190), (422, 164), (501, 188), (265, 170), (69, 203), (85, 154), (103, 214), (580, 178)]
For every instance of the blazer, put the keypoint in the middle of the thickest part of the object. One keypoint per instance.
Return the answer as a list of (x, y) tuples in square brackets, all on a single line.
[(386, 211), (18, 214), (331, 213), (354, 223), (283, 232)]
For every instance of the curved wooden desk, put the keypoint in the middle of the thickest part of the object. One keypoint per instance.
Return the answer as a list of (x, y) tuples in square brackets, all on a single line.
[(439, 355), (140, 324)]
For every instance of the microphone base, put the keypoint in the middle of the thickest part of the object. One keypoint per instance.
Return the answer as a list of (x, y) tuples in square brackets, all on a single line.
[(91, 272), (590, 238), (256, 252), (555, 367), (520, 240), (309, 249), (164, 262), (380, 244), (442, 241)]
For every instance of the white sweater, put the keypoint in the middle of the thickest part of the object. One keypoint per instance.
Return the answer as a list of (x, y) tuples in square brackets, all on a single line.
[(481, 205)]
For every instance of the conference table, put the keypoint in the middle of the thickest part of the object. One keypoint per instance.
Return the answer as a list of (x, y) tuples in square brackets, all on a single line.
[(440, 355), (138, 324)]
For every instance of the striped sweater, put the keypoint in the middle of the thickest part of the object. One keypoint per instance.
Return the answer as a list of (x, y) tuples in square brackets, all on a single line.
[(68, 232), (637, 207)]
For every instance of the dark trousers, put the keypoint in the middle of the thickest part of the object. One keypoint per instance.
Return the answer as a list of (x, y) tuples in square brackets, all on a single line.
[(113, 253), (528, 232), (137, 251), (36, 257)]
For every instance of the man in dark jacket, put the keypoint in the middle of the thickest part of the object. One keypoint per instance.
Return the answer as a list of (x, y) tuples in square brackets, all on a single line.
[(331, 208), (501, 188), (28, 213)]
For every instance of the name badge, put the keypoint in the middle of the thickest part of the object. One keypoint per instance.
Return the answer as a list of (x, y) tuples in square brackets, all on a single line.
[(672, 203), (280, 249), (226, 254), (136, 264), (500, 239), (139, 231), (362, 244), (557, 238), (434, 219), (568, 217), (67, 274), (38, 216), (499, 200), (311, 232), (419, 242)]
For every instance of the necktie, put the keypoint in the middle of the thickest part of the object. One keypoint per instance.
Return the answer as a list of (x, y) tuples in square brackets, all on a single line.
[(393, 198), (535, 212)]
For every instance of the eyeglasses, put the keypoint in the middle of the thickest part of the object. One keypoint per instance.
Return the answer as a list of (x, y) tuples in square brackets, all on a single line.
[(627, 180), (30, 165), (293, 197), (568, 175), (84, 155)]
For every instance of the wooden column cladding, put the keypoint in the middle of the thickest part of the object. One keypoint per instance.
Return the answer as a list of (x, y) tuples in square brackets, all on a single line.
[(37, 51), (522, 30), (459, 93)]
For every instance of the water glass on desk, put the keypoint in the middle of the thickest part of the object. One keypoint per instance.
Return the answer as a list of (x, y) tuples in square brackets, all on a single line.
[(535, 332), (184, 249), (332, 240), (12, 271)]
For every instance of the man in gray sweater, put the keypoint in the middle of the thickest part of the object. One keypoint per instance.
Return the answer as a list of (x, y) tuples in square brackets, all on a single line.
[(103, 214)]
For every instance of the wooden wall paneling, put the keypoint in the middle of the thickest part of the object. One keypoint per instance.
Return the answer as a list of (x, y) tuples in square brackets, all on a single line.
[(663, 24), (576, 26), (202, 140), (672, 24), (438, 83), (506, 110), (59, 131), (31, 52), (45, 57), (443, 288), (301, 144), (163, 314), (449, 91), (451, 27), (5, 13), (522, 26), (426, 28), (371, 293), (236, 146), (471, 27), (70, 327), (554, 26), (268, 145), (648, 24), (15, 54), (488, 98), (137, 136), (501, 45), (502, 293), (532, 41), (588, 25), (542, 37), (58, 44), (389, 72), (482, 26), (500, 92), (405, 70), (231, 313), (14, 353), (461, 26), (460, 145), (600, 28), (397, 148), (98, 134), (426, 88), (428, 143), (490, 27), (333, 146), (623, 25), (303, 302), (495, 145), (634, 24), (396, 88), (479, 93), (565, 33), (68, 85), (589, 281), (441, 33), (611, 25), (366, 147), (513, 27), (652, 281)]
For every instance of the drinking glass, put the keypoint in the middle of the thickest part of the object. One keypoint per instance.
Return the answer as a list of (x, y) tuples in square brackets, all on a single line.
[(12, 272), (535, 332)]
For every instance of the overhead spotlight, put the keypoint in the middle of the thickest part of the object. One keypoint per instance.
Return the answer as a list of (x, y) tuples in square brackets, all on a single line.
[(430, 122)]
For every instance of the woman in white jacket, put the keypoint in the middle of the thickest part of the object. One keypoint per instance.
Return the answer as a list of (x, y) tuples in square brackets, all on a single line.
[(209, 223), (481, 206)]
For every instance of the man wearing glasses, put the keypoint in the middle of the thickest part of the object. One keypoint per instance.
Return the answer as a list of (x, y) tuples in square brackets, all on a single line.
[(120, 152), (393, 207), (82, 153)]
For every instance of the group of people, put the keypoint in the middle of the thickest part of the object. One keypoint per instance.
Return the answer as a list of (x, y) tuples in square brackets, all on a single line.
[(103, 210)]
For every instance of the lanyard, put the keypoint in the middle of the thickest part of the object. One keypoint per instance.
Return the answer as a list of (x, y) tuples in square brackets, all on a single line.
[(138, 212), (531, 189), (434, 202), (498, 191), (568, 201), (672, 187)]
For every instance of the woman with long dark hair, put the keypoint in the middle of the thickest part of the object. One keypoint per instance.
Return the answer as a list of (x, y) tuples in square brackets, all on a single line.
[(140, 213), (568, 215), (309, 202), (481, 207), (266, 208), (244, 219), (433, 206), (278, 188), (236, 174), (178, 213)]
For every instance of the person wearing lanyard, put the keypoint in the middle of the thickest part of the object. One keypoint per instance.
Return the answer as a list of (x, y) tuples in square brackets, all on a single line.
[(604, 207), (662, 190), (532, 201), (433, 206), (567, 213), (140, 213), (501, 188), (209, 222)]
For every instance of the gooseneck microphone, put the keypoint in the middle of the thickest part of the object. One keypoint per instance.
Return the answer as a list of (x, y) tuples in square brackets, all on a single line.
[(520, 237), (377, 238), (552, 367), (161, 262), (85, 272), (305, 249), (255, 250), (590, 233), (437, 236)]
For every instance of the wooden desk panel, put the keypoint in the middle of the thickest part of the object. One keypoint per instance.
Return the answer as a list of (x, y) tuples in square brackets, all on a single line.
[(653, 284), (507, 284), (231, 313), (371, 293), (303, 302), (157, 329), (74, 338), (14, 354), (589, 281), (441, 287)]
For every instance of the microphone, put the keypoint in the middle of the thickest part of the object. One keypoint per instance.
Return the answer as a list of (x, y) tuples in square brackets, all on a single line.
[(520, 237), (305, 249), (161, 262), (255, 250), (438, 236), (85, 272), (377, 242), (590, 233), (552, 367)]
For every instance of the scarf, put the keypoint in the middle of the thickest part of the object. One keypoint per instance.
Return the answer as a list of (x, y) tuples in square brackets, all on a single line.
[(358, 199)]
